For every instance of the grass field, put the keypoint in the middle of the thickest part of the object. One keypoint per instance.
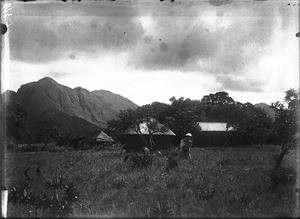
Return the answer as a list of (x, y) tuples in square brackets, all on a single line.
[(111, 188)]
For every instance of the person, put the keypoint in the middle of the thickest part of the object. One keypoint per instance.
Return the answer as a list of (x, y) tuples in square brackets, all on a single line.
[(185, 146), (146, 151)]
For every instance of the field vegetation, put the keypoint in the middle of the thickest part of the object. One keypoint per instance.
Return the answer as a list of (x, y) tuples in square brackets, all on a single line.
[(217, 182)]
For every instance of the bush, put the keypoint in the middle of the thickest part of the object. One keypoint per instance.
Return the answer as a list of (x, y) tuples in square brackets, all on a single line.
[(173, 183), (140, 160), (172, 152), (141, 180), (57, 149), (28, 148), (240, 197), (283, 176), (172, 163), (119, 182), (204, 193), (52, 198), (224, 161)]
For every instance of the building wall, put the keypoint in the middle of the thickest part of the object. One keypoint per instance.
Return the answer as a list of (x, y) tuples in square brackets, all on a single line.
[(218, 139), (135, 143), (163, 141), (210, 139), (237, 139)]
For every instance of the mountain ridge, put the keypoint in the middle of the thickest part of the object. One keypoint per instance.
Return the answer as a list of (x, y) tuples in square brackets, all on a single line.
[(91, 109)]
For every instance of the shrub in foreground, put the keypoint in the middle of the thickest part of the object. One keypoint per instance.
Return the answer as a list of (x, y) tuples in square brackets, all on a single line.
[(283, 176), (52, 198)]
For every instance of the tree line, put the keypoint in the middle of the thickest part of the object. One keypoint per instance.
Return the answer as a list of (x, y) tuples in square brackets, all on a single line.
[(182, 115)]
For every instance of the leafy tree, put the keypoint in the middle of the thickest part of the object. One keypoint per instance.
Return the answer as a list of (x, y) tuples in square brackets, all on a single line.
[(185, 115), (262, 126), (115, 127), (158, 110), (285, 125), (50, 131), (16, 121), (219, 107), (252, 123), (219, 98)]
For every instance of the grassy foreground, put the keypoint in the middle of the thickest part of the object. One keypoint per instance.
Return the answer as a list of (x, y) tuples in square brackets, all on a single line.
[(111, 188)]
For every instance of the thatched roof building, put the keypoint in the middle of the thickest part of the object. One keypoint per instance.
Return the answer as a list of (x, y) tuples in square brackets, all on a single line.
[(95, 138), (162, 136)]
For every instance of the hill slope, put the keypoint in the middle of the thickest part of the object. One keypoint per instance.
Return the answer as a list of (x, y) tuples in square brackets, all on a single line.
[(78, 109)]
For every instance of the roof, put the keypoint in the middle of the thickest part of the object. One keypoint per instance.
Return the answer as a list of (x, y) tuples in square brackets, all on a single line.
[(145, 131), (98, 136), (214, 126), (103, 137)]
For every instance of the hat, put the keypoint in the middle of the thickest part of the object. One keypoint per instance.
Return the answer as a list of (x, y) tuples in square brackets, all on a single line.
[(188, 134)]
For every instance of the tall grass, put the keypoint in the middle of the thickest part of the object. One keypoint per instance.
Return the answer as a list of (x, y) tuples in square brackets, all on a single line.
[(216, 183)]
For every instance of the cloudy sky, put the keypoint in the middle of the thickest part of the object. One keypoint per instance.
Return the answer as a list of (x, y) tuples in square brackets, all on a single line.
[(150, 51)]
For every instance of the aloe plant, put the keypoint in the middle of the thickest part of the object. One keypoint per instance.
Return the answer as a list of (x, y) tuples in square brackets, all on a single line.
[(161, 209), (52, 198)]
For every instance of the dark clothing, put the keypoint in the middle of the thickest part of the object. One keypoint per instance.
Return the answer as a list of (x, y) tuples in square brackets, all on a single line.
[(185, 148)]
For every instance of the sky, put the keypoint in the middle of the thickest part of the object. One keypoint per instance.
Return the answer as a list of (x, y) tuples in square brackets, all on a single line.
[(150, 51)]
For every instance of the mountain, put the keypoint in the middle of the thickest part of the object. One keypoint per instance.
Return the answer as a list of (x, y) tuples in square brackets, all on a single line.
[(78, 109), (9, 96), (269, 111)]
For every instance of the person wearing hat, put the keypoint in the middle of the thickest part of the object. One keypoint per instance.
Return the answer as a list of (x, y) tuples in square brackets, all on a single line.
[(185, 146)]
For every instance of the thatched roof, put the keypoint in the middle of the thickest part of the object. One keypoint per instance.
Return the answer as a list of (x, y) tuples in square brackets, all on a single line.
[(103, 137), (145, 130), (98, 136)]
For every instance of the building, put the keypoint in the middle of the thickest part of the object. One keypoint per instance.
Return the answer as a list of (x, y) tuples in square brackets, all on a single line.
[(94, 139), (162, 137), (103, 138), (212, 134)]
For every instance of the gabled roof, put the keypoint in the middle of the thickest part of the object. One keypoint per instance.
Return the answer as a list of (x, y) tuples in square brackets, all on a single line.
[(98, 136), (145, 131), (103, 137), (214, 126)]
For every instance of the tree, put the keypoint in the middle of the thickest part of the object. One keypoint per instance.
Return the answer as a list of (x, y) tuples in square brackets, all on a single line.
[(285, 125), (219, 98), (251, 123), (16, 121), (50, 131), (115, 127), (262, 126), (185, 115), (219, 107)]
